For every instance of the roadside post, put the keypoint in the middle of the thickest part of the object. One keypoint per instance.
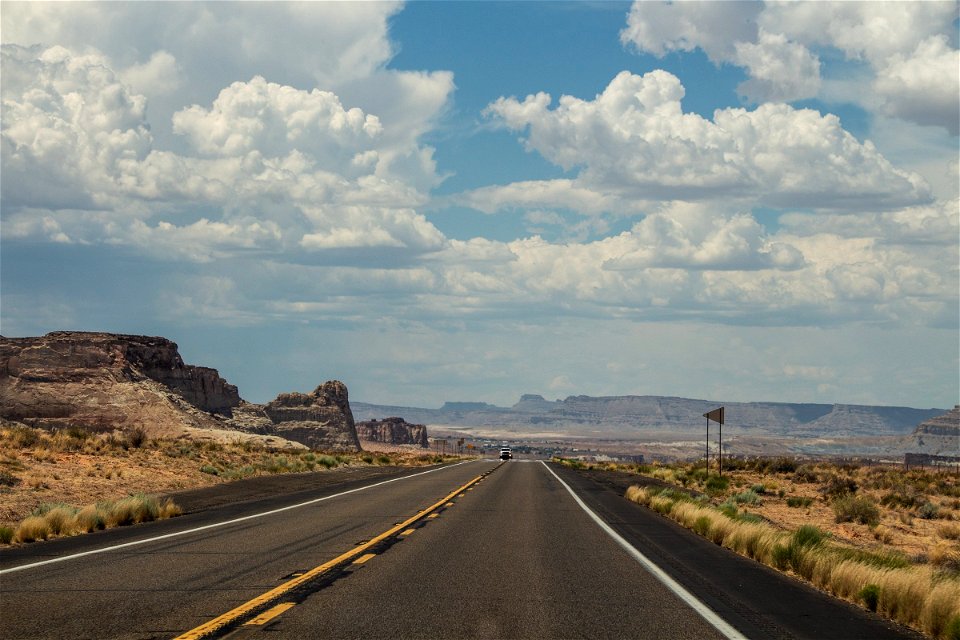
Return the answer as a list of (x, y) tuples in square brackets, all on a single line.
[(717, 416)]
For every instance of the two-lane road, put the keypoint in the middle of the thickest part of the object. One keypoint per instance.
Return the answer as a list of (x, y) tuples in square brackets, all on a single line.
[(515, 555)]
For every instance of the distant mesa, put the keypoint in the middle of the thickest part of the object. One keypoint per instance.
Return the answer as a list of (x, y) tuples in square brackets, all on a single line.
[(106, 381), (464, 407), (635, 416), (393, 430), (532, 402), (947, 425)]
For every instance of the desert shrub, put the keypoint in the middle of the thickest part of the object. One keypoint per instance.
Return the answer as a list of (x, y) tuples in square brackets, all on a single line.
[(6, 535), (728, 509), (747, 497), (877, 559), (237, 473), (883, 534), (799, 501), (327, 461), (7, 479), (701, 525), (169, 509), (368, 459), (383, 460), (777, 465), (90, 518), (928, 511), (209, 468), (856, 509), (870, 595), (836, 486), (716, 485), (23, 437), (133, 510), (781, 556), (949, 531), (33, 528), (808, 536), (213, 446), (902, 496), (60, 520), (944, 555), (135, 438), (805, 474), (77, 433)]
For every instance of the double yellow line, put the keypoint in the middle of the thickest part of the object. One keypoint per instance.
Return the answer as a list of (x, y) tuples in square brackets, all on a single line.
[(260, 602)]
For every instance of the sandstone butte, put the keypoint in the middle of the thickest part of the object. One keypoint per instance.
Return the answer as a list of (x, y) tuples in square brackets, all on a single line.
[(106, 382), (393, 431)]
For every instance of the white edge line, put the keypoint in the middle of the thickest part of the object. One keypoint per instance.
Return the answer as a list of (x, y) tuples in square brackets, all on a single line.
[(219, 524), (705, 612)]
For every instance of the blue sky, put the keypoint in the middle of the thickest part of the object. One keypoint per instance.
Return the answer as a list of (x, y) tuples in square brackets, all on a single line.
[(470, 201)]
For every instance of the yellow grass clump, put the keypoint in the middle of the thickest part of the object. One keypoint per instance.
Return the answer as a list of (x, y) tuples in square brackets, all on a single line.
[(921, 596), (64, 520)]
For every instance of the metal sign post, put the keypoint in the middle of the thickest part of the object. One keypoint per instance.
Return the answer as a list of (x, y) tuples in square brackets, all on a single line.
[(717, 416)]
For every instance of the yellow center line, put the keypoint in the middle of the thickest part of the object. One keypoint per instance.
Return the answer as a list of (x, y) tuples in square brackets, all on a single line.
[(246, 608), (364, 558), (270, 614), (407, 532), (449, 504), (434, 515)]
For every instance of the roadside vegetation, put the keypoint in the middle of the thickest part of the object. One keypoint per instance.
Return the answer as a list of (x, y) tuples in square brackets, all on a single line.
[(883, 537), (73, 481)]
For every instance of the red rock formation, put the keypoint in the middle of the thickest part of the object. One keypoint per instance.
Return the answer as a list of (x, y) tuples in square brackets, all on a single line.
[(393, 431), (320, 420), (107, 381)]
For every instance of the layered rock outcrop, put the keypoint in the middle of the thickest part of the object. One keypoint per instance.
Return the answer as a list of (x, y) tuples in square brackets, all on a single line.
[(947, 425), (321, 419), (105, 381), (393, 431)]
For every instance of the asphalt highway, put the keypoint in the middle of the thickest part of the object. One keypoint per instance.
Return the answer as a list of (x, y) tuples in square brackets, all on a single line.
[(478, 550)]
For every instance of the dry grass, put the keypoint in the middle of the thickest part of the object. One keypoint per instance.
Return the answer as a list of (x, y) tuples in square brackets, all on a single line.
[(913, 594), (73, 467), (54, 520), (896, 548)]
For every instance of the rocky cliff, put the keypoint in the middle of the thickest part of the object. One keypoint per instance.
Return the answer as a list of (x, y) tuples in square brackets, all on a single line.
[(321, 419), (393, 431), (947, 425), (105, 381), (939, 436)]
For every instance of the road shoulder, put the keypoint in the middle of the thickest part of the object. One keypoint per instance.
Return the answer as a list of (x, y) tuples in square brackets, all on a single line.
[(755, 599)]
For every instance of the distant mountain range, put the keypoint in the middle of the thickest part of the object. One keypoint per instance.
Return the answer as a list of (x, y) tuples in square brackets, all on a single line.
[(626, 416)]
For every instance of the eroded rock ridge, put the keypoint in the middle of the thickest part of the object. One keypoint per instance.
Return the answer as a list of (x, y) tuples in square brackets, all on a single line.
[(393, 431), (105, 381)]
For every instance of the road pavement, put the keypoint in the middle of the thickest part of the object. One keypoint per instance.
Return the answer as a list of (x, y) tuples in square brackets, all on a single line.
[(512, 556)]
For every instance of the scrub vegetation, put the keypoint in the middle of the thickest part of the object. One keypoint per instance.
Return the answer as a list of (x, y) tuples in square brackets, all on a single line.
[(880, 536), (115, 477)]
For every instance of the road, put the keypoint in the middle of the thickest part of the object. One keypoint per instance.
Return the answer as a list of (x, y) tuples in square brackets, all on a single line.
[(514, 555)]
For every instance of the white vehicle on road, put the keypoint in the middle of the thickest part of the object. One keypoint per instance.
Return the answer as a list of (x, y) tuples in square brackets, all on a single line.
[(505, 453)]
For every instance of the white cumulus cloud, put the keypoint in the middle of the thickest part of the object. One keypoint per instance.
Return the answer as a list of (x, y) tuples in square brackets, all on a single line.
[(272, 168), (906, 45), (634, 139)]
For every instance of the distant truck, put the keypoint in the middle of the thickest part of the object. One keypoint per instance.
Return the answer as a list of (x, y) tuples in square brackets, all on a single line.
[(505, 453)]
